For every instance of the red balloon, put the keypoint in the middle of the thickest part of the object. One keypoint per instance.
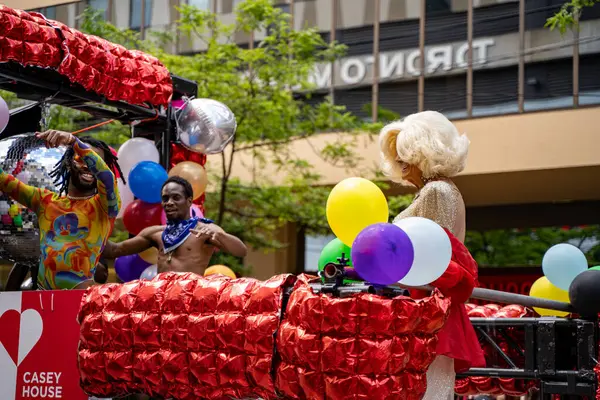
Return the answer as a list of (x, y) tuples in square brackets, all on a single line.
[(139, 215), (180, 154)]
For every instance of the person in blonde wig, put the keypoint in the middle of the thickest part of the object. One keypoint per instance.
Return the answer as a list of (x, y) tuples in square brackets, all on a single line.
[(426, 150)]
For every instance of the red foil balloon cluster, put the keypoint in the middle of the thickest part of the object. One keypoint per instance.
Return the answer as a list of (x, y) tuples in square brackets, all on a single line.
[(365, 346), (181, 336), (95, 63), (497, 386)]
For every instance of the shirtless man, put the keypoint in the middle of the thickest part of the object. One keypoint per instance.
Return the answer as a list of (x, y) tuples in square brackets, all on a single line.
[(184, 244)]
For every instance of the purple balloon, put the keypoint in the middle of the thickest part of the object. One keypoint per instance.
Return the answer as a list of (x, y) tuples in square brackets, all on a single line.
[(382, 254), (129, 268)]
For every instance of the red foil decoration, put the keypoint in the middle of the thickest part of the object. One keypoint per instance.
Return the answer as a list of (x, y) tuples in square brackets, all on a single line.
[(470, 386), (94, 63), (365, 346), (181, 336)]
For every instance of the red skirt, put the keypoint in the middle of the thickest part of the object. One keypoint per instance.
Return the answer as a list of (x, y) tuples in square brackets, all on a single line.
[(458, 340)]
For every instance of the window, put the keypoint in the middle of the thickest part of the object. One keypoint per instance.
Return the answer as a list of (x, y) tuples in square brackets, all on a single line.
[(283, 7), (235, 3), (437, 6), (201, 4), (135, 17), (313, 247), (50, 12), (99, 5)]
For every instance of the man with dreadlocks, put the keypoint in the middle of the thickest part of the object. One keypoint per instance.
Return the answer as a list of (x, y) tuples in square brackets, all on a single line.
[(74, 227)]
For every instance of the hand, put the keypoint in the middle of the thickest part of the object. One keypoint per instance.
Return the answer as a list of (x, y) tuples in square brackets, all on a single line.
[(55, 138), (209, 232)]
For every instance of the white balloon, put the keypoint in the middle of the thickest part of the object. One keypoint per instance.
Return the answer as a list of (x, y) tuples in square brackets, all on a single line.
[(126, 197), (149, 273), (4, 114), (432, 249), (135, 151)]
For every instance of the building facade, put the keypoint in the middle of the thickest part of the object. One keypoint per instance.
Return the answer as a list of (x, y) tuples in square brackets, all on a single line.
[(527, 97)]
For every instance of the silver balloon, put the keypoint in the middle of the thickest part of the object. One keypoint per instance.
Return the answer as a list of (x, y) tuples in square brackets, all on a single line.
[(26, 157), (206, 126), (149, 273)]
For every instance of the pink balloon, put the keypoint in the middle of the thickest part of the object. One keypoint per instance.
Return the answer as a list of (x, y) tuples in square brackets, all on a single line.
[(178, 104), (194, 211), (4, 114)]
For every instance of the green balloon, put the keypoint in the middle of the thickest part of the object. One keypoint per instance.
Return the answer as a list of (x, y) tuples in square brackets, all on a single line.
[(18, 221), (596, 268), (332, 252)]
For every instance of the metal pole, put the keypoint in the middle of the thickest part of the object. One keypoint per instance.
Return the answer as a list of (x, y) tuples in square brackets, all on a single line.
[(422, 57), (486, 294), (108, 14), (331, 40), (470, 60), (521, 90), (375, 87), (177, 32), (576, 62), (143, 19)]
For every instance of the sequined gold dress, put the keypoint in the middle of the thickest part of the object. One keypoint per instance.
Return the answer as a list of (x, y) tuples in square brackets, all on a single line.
[(441, 201)]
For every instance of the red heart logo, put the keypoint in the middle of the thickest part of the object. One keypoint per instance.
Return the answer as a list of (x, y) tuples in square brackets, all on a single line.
[(10, 322)]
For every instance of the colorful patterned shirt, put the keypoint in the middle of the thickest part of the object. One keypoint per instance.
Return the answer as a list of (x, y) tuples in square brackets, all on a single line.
[(73, 233)]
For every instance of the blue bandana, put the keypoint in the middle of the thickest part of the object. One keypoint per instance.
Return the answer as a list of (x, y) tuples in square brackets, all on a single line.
[(177, 232)]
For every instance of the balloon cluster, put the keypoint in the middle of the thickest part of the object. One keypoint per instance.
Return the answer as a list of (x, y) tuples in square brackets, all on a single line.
[(140, 199), (413, 251), (568, 279), (204, 127)]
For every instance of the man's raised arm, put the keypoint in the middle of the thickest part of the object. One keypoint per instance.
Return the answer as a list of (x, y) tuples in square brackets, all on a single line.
[(29, 196), (143, 241)]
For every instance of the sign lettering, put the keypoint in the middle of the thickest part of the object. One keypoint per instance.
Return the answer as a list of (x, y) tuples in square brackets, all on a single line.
[(402, 64)]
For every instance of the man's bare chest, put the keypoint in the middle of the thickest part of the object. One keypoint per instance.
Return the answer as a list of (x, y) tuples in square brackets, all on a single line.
[(191, 246)]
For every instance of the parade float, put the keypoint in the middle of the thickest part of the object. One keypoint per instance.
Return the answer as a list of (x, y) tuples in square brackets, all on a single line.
[(345, 334)]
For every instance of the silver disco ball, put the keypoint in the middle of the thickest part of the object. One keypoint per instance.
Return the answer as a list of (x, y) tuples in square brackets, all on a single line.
[(27, 158), (206, 126)]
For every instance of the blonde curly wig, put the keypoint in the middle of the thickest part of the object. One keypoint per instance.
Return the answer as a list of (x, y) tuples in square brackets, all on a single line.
[(427, 140)]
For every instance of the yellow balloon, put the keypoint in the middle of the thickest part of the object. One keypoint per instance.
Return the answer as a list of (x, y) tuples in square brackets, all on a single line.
[(150, 255), (13, 211), (220, 269), (354, 204), (194, 173), (543, 289)]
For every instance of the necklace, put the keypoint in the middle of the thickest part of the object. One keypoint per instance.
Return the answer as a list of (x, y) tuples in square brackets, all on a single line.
[(430, 179), (80, 197)]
